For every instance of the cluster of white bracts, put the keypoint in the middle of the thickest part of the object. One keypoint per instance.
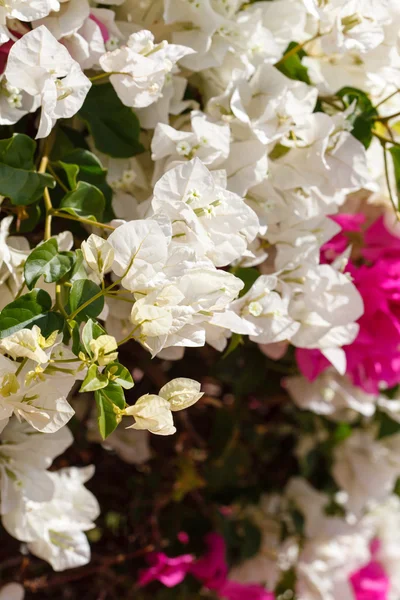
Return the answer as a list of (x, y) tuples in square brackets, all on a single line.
[(248, 181)]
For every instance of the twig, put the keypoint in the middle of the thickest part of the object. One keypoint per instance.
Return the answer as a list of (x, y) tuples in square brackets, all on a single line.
[(43, 583)]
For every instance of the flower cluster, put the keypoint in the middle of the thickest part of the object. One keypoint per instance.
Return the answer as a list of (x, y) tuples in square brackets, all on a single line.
[(183, 173)]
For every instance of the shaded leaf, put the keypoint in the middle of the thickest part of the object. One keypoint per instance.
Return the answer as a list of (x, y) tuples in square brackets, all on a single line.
[(85, 201), (82, 291), (113, 126)]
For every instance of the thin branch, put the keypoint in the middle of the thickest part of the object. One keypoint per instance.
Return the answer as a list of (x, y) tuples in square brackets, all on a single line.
[(387, 175), (61, 215)]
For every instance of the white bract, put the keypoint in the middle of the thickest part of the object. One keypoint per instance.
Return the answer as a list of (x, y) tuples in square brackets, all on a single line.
[(54, 529), (215, 222), (43, 68), (154, 413), (138, 71)]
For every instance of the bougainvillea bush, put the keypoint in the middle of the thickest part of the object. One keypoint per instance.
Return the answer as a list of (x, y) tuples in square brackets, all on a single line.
[(200, 299)]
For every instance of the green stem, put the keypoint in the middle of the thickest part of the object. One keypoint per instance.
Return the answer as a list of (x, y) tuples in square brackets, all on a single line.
[(56, 177), (387, 98), (59, 302), (61, 215), (387, 176), (21, 366), (107, 74), (94, 298), (129, 336), (47, 200), (296, 49), (385, 140)]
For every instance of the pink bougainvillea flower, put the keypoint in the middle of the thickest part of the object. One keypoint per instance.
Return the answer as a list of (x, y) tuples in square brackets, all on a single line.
[(370, 583), (373, 359), (212, 571), (168, 571), (338, 244), (104, 31)]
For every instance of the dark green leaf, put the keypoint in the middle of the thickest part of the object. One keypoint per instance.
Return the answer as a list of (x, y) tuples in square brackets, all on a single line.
[(292, 66), (86, 201), (29, 310), (362, 116), (248, 276), (31, 219), (87, 166), (114, 127), (19, 180), (82, 291), (71, 172), (387, 426), (46, 260), (67, 139)]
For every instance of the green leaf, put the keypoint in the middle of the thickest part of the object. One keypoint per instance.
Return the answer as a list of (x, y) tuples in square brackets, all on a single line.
[(46, 260), (86, 201), (292, 66), (119, 374), (91, 331), (115, 394), (86, 165), (113, 126), (74, 333), (78, 270), (236, 341), (248, 276), (82, 291), (29, 310), (94, 380), (67, 139), (361, 118), (19, 180), (32, 218), (387, 426), (71, 172), (110, 400)]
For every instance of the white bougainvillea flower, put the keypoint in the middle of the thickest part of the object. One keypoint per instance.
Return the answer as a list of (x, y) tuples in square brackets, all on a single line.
[(268, 106), (153, 413), (28, 343), (139, 69), (170, 103), (104, 349), (12, 591), (140, 253), (38, 398), (215, 222), (178, 313), (54, 529), (25, 456), (99, 255), (67, 20), (41, 66), (27, 11), (181, 393), (266, 311), (15, 103), (366, 468), (208, 140)]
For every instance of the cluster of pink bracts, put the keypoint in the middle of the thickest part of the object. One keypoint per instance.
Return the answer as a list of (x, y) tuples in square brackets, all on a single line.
[(373, 359), (369, 583)]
